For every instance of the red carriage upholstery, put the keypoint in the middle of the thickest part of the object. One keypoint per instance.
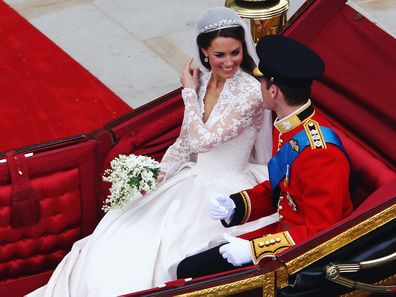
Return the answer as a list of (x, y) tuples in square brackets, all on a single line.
[(67, 179), (63, 181), (369, 173), (150, 129)]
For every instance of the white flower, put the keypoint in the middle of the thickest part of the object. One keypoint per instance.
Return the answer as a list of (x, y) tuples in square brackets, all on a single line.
[(129, 175)]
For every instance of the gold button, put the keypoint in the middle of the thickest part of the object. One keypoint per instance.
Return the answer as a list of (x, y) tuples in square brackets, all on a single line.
[(277, 239), (261, 244), (280, 207), (267, 242), (272, 241), (280, 217), (280, 141)]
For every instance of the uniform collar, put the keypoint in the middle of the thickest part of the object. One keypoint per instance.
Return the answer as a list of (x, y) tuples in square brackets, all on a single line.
[(294, 119)]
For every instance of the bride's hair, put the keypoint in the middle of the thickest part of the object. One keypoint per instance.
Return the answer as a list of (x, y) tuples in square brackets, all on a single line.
[(204, 41), (223, 22)]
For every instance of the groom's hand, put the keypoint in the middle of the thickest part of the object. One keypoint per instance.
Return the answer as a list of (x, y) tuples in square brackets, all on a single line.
[(221, 208), (237, 251)]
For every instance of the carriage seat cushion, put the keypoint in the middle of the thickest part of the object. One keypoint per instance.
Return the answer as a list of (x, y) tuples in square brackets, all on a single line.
[(368, 172)]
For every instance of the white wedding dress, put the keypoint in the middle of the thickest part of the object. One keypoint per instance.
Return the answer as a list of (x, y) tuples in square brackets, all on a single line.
[(140, 246)]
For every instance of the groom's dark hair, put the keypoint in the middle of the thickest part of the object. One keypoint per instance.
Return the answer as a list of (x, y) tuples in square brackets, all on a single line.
[(293, 96)]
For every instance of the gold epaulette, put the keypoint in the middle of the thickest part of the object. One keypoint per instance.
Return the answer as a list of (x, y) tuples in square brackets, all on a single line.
[(314, 134), (269, 245)]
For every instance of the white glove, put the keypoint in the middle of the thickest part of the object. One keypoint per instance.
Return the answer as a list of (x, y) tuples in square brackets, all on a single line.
[(237, 251), (221, 208)]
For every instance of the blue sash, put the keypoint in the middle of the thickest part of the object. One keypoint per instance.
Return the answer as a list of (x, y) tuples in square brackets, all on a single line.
[(279, 165)]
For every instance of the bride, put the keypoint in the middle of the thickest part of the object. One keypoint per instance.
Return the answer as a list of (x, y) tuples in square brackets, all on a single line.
[(140, 246)]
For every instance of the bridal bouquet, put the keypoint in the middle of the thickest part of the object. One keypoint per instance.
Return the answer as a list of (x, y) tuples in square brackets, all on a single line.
[(129, 175)]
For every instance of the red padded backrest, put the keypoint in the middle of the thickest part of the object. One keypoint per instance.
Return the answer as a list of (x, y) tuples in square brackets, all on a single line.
[(368, 171), (66, 182)]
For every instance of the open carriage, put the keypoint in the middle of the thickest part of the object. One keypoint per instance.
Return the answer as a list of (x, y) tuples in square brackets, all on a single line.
[(356, 94)]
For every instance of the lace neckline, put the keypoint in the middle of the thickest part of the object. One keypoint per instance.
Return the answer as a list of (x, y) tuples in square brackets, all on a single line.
[(204, 81)]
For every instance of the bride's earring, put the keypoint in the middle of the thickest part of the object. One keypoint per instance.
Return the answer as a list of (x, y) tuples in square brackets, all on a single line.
[(206, 60)]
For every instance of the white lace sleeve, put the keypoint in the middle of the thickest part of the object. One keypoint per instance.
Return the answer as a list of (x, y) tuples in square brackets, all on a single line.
[(247, 110), (178, 153), (240, 106)]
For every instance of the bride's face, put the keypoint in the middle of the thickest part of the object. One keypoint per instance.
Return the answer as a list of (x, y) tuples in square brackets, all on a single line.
[(225, 56)]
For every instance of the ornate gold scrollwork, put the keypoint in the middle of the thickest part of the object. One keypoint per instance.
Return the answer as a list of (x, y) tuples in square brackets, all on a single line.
[(279, 278), (265, 281), (341, 240), (282, 277)]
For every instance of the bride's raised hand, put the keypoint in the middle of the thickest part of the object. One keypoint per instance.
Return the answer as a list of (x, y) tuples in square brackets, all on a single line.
[(189, 76)]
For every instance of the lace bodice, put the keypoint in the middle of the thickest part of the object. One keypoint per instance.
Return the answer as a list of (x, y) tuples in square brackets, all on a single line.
[(239, 107)]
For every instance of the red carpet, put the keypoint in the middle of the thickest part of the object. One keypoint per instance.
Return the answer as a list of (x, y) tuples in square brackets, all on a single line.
[(45, 95)]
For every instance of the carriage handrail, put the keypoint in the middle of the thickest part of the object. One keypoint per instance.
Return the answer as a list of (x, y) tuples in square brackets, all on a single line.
[(333, 273)]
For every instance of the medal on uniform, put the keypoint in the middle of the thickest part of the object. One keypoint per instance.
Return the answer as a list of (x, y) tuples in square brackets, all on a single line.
[(292, 204), (287, 176)]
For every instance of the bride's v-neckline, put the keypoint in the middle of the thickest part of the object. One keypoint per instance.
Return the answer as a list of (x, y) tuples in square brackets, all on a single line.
[(215, 105)]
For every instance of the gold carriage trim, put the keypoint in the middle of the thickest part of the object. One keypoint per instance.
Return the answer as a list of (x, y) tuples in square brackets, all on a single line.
[(269, 245), (314, 134), (247, 205), (341, 240), (265, 281), (279, 279)]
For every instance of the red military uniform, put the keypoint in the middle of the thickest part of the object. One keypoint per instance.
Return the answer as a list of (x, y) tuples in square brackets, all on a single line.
[(313, 195)]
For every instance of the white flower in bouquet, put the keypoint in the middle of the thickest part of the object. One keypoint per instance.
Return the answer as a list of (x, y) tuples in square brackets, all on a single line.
[(129, 175)]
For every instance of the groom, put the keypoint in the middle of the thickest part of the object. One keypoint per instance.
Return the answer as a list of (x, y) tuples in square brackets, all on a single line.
[(308, 182)]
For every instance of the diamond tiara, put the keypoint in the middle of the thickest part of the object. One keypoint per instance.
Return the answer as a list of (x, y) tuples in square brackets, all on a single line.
[(219, 25)]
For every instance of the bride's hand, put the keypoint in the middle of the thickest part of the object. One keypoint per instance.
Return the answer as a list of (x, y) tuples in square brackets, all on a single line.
[(189, 76), (161, 176)]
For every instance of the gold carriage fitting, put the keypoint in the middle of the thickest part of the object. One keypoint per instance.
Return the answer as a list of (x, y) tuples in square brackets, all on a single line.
[(266, 17)]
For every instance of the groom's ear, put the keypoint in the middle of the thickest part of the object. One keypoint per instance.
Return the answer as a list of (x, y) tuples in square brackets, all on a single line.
[(277, 95), (274, 91)]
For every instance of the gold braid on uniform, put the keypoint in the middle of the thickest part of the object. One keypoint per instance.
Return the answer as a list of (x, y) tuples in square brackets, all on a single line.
[(269, 245), (248, 207), (314, 134), (242, 212)]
